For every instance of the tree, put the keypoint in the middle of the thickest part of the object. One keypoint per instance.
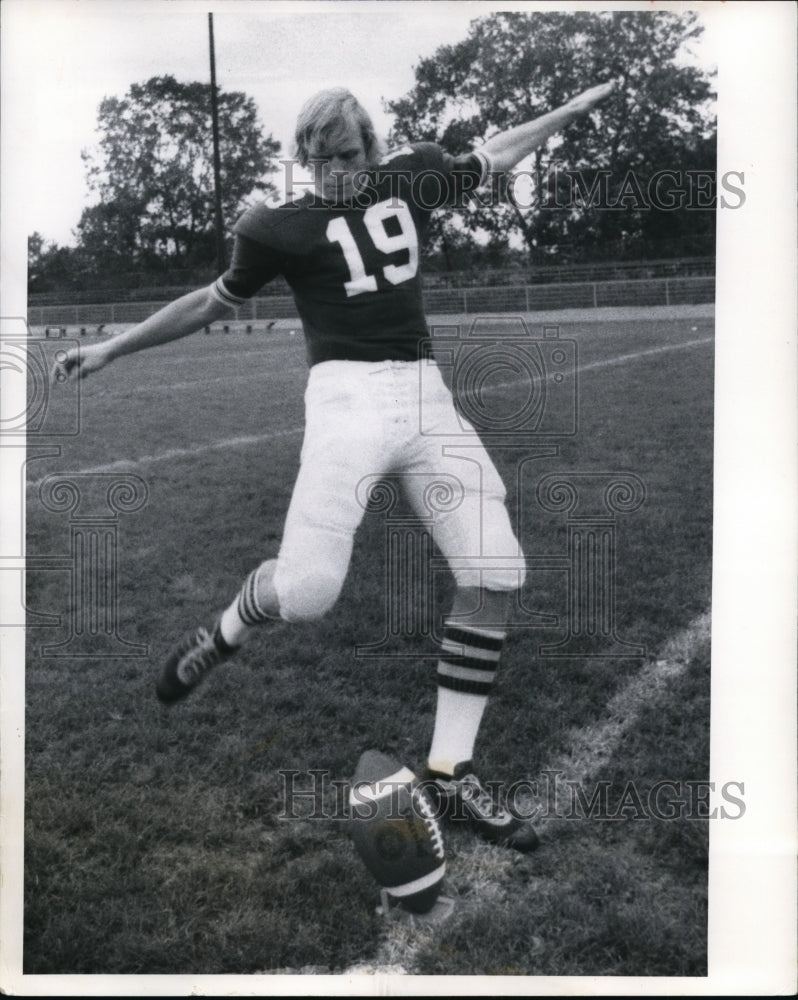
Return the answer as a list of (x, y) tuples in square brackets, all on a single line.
[(153, 171), (36, 252), (513, 67), (51, 266)]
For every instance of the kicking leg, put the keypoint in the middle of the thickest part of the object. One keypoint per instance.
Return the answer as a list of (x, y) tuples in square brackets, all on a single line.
[(302, 585), (304, 582)]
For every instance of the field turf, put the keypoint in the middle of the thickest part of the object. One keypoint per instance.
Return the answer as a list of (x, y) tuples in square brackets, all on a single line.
[(153, 836)]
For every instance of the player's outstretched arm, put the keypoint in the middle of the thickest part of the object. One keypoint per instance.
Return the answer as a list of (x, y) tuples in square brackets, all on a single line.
[(185, 315), (509, 148)]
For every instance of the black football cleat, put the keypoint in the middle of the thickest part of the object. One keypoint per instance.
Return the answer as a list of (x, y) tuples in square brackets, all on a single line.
[(462, 798), (190, 661)]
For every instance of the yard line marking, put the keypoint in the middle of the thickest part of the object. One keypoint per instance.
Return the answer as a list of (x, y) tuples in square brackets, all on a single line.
[(264, 376), (300, 367), (210, 351), (271, 375), (127, 464), (621, 358), (256, 439), (603, 363)]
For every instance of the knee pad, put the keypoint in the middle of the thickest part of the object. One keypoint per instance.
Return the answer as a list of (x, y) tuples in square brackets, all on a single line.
[(501, 564), (306, 598)]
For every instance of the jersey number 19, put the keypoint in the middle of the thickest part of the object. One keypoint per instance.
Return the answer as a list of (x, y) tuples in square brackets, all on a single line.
[(375, 217)]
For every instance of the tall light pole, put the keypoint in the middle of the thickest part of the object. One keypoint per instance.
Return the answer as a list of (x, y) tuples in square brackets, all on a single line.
[(217, 163)]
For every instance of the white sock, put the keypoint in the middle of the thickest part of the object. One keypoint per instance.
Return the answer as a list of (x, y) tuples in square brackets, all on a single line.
[(457, 720), (240, 620), (234, 631), (466, 669)]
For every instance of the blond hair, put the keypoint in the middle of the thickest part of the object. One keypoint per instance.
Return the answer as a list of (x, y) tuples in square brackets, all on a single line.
[(328, 113)]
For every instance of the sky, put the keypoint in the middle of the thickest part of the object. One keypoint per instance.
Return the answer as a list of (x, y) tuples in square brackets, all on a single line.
[(85, 50)]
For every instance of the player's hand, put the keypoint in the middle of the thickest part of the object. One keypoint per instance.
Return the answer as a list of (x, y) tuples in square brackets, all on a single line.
[(80, 362), (590, 98)]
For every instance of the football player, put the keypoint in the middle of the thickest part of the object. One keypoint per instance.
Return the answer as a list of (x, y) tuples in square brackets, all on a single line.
[(349, 250)]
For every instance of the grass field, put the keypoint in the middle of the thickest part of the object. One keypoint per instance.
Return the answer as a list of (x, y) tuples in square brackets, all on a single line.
[(153, 842)]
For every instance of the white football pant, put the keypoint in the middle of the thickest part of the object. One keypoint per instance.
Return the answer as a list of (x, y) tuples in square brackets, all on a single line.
[(365, 420)]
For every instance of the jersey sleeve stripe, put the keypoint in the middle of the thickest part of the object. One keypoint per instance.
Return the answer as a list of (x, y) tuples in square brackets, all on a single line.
[(220, 292)]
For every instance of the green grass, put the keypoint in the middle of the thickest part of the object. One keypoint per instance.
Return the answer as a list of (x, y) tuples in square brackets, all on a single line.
[(153, 839)]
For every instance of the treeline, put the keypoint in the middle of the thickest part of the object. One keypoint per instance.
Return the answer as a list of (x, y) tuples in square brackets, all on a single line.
[(635, 180)]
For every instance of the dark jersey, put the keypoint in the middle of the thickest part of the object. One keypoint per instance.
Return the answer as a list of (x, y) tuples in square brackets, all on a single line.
[(353, 268)]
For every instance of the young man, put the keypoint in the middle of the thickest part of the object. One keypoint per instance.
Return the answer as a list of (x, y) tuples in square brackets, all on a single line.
[(349, 250)]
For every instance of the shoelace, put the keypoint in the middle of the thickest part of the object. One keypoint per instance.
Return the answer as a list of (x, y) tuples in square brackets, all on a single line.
[(199, 659), (478, 797)]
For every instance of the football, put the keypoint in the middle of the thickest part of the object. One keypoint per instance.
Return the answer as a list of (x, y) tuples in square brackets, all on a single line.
[(395, 831)]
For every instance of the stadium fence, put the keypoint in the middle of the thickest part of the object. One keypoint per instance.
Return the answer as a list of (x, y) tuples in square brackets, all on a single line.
[(513, 298)]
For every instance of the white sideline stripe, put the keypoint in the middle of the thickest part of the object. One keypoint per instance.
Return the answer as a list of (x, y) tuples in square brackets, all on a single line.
[(584, 760), (374, 791), (418, 884), (594, 745), (255, 439)]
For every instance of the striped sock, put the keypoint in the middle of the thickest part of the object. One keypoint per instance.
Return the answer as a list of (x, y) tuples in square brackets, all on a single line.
[(466, 670), (244, 613)]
